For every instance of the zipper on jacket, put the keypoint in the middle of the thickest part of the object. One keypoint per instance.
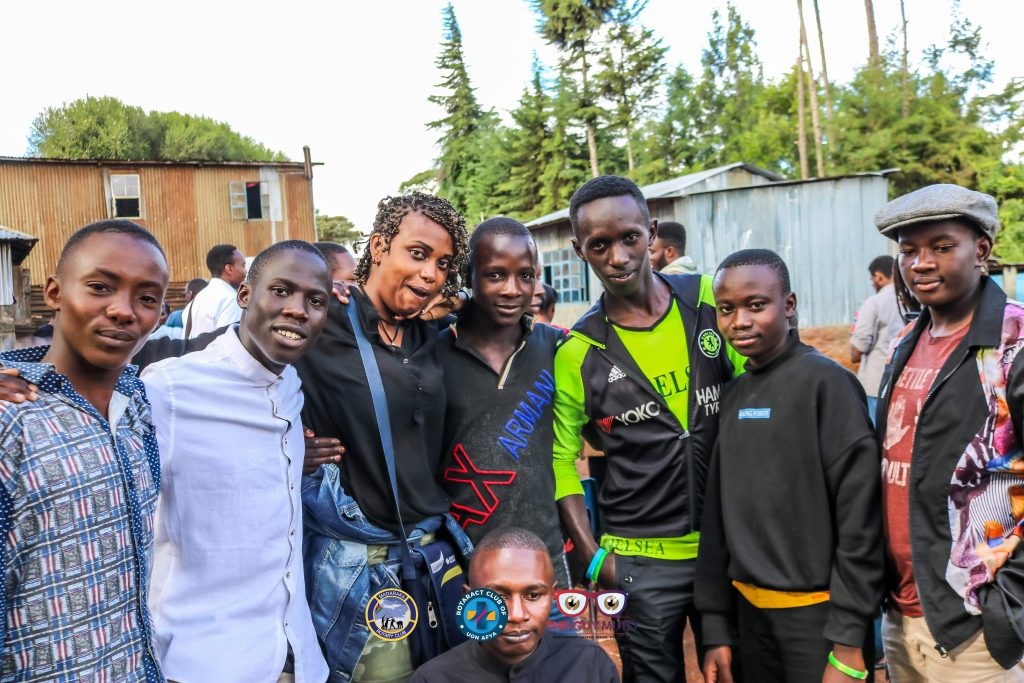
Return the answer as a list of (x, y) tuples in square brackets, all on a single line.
[(432, 616), (910, 490)]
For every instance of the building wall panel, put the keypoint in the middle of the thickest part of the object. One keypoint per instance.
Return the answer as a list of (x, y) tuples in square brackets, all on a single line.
[(299, 224)]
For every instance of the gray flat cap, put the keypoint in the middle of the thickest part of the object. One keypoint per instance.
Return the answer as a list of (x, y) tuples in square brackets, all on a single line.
[(937, 203)]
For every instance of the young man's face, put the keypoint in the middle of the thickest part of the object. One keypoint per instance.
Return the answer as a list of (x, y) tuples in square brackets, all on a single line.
[(753, 312), (234, 272), (525, 579), (941, 262), (662, 254), (504, 278), (285, 308), (108, 297), (613, 238)]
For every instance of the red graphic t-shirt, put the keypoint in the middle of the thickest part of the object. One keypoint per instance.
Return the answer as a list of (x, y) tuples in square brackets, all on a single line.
[(908, 396)]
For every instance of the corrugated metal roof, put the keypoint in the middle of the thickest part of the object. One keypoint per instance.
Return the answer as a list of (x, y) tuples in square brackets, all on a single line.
[(151, 162), (669, 188), (20, 243)]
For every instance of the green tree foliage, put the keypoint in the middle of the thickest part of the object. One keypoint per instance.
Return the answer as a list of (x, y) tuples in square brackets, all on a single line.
[(572, 26), (638, 119), (467, 130), (633, 63), (336, 229), (107, 128)]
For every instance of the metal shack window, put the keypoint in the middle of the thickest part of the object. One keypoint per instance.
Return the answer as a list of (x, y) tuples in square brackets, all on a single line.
[(567, 274), (124, 188), (250, 201)]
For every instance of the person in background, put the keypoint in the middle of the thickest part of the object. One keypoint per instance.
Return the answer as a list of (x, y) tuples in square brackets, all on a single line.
[(216, 306), (543, 306), (231, 451), (668, 251), (791, 532), (80, 471), (950, 418), (515, 564), (878, 322), (193, 287), (343, 264), (165, 330)]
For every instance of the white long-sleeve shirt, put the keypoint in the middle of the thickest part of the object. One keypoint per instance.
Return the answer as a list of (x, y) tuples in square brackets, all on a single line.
[(212, 308), (227, 593)]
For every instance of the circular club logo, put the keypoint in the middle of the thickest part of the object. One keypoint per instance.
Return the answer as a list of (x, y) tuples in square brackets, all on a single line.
[(391, 614), (482, 614), (710, 343)]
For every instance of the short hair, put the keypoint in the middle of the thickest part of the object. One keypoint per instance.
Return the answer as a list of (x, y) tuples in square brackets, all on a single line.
[(882, 264), (330, 249), (499, 225), (758, 257), (606, 186), (110, 226), (391, 211), (509, 537), (264, 257), (219, 256), (196, 285), (550, 297), (673, 234)]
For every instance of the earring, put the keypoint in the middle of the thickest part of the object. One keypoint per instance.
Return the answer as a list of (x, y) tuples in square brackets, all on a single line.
[(375, 261)]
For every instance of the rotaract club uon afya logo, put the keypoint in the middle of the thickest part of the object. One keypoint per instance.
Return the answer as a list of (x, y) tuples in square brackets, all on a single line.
[(391, 614), (481, 615)]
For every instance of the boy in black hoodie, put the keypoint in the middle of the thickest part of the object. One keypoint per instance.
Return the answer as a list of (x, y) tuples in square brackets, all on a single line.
[(791, 540)]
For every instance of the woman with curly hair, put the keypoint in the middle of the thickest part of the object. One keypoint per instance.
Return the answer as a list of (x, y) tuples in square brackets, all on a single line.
[(416, 253)]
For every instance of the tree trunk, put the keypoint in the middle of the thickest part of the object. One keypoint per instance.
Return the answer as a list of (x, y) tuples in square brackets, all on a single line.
[(801, 141), (629, 150), (591, 137), (830, 130), (872, 35), (812, 88), (906, 68)]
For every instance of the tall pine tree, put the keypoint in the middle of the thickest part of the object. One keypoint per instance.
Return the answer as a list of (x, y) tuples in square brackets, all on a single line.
[(527, 157), (633, 64), (465, 125)]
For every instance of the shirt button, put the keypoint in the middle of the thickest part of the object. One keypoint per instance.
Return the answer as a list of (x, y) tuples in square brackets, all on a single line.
[(288, 575), (292, 487), (405, 361), (292, 532), (419, 387)]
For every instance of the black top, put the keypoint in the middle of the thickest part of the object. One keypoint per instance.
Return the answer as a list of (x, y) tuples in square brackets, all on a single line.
[(565, 660), (793, 499), (338, 404), (498, 438)]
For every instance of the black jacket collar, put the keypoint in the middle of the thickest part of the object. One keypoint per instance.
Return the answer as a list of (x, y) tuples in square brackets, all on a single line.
[(986, 328), (594, 325)]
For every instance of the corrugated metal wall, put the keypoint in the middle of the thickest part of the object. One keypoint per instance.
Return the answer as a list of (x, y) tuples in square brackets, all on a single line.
[(187, 207), (824, 230)]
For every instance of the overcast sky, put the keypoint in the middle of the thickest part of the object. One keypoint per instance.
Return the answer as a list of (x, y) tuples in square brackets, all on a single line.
[(351, 79)]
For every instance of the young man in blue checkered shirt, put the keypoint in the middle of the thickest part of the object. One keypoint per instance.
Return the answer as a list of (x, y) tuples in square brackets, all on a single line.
[(80, 471)]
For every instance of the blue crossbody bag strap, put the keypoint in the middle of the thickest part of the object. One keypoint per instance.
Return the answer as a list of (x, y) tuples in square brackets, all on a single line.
[(380, 409)]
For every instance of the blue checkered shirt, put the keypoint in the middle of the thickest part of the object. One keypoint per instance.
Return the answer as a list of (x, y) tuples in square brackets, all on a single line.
[(76, 511)]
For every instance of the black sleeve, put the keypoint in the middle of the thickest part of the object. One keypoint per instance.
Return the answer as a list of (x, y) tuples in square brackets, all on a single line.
[(156, 350), (713, 593), (855, 491), (1002, 602)]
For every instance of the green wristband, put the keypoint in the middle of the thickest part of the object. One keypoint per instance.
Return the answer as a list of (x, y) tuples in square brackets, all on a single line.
[(848, 670)]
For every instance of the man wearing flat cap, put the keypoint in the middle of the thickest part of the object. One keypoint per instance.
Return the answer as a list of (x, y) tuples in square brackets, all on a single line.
[(950, 418)]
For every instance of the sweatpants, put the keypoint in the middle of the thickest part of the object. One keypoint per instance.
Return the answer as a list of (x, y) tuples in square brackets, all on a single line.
[(782, 645), (660, 601)]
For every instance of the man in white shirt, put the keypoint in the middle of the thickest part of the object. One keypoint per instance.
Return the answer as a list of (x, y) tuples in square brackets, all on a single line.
[(878, 321), (216, 306), (228, 596)]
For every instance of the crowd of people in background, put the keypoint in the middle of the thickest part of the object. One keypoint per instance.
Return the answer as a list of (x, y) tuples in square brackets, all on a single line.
[(224, 492)]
